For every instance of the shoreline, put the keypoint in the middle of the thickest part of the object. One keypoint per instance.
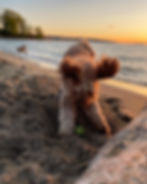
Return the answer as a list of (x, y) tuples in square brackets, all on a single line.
[(133, 87), (133, 96)]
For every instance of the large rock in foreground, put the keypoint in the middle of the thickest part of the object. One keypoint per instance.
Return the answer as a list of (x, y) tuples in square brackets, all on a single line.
[(124, 159)]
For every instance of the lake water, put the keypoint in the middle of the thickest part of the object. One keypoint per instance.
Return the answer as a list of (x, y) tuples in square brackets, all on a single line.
[(133, 58)]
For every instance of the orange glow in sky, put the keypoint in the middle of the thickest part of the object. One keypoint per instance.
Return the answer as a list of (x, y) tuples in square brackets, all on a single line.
[(118, 20)]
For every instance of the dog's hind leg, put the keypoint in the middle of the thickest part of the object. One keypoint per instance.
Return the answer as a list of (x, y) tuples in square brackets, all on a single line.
[(97, 118)]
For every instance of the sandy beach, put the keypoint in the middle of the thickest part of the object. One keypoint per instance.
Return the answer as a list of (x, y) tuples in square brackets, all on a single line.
[(31, 150)]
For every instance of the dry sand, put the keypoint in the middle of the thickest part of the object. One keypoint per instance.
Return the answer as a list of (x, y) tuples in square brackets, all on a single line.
[(133, 97), (31, 152)]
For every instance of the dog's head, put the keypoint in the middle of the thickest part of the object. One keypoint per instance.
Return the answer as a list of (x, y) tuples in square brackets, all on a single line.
[(81, 74)]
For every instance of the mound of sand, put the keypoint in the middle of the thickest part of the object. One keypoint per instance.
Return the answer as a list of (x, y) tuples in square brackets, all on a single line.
[(31, 152)]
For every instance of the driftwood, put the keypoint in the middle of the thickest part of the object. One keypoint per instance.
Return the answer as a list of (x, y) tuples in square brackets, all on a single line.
[(123, 159)]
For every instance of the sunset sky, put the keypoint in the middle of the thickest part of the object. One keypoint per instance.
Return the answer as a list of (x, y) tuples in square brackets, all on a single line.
[(118, 20)]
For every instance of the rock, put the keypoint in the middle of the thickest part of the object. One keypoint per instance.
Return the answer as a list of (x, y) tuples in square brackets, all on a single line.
[(22, 48), (123, 159)]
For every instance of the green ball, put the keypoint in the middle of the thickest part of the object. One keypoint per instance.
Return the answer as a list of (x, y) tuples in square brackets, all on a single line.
[(80, 130)]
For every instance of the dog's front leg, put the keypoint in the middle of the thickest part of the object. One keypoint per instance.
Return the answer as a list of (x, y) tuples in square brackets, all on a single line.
[(97, 117), (67, 116)]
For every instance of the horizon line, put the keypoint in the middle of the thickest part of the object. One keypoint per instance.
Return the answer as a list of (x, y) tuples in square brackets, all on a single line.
[(93, 39)]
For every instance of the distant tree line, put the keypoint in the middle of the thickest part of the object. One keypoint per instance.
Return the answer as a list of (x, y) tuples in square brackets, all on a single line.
[(13, 24)]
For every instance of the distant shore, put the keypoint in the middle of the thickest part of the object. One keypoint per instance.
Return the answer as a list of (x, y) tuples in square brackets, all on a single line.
[(56, 38)]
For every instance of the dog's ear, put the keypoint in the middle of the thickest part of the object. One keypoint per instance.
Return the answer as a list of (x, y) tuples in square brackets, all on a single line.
[(69, 70), (107, 67)]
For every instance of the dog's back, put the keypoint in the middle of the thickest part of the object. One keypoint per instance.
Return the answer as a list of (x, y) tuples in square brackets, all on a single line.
[(82, 48)]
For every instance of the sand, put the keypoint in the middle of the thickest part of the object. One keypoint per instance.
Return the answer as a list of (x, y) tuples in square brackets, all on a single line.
[(31, 151), (133, 97)]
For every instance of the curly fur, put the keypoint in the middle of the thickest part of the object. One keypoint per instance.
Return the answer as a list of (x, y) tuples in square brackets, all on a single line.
[(81, 73)]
